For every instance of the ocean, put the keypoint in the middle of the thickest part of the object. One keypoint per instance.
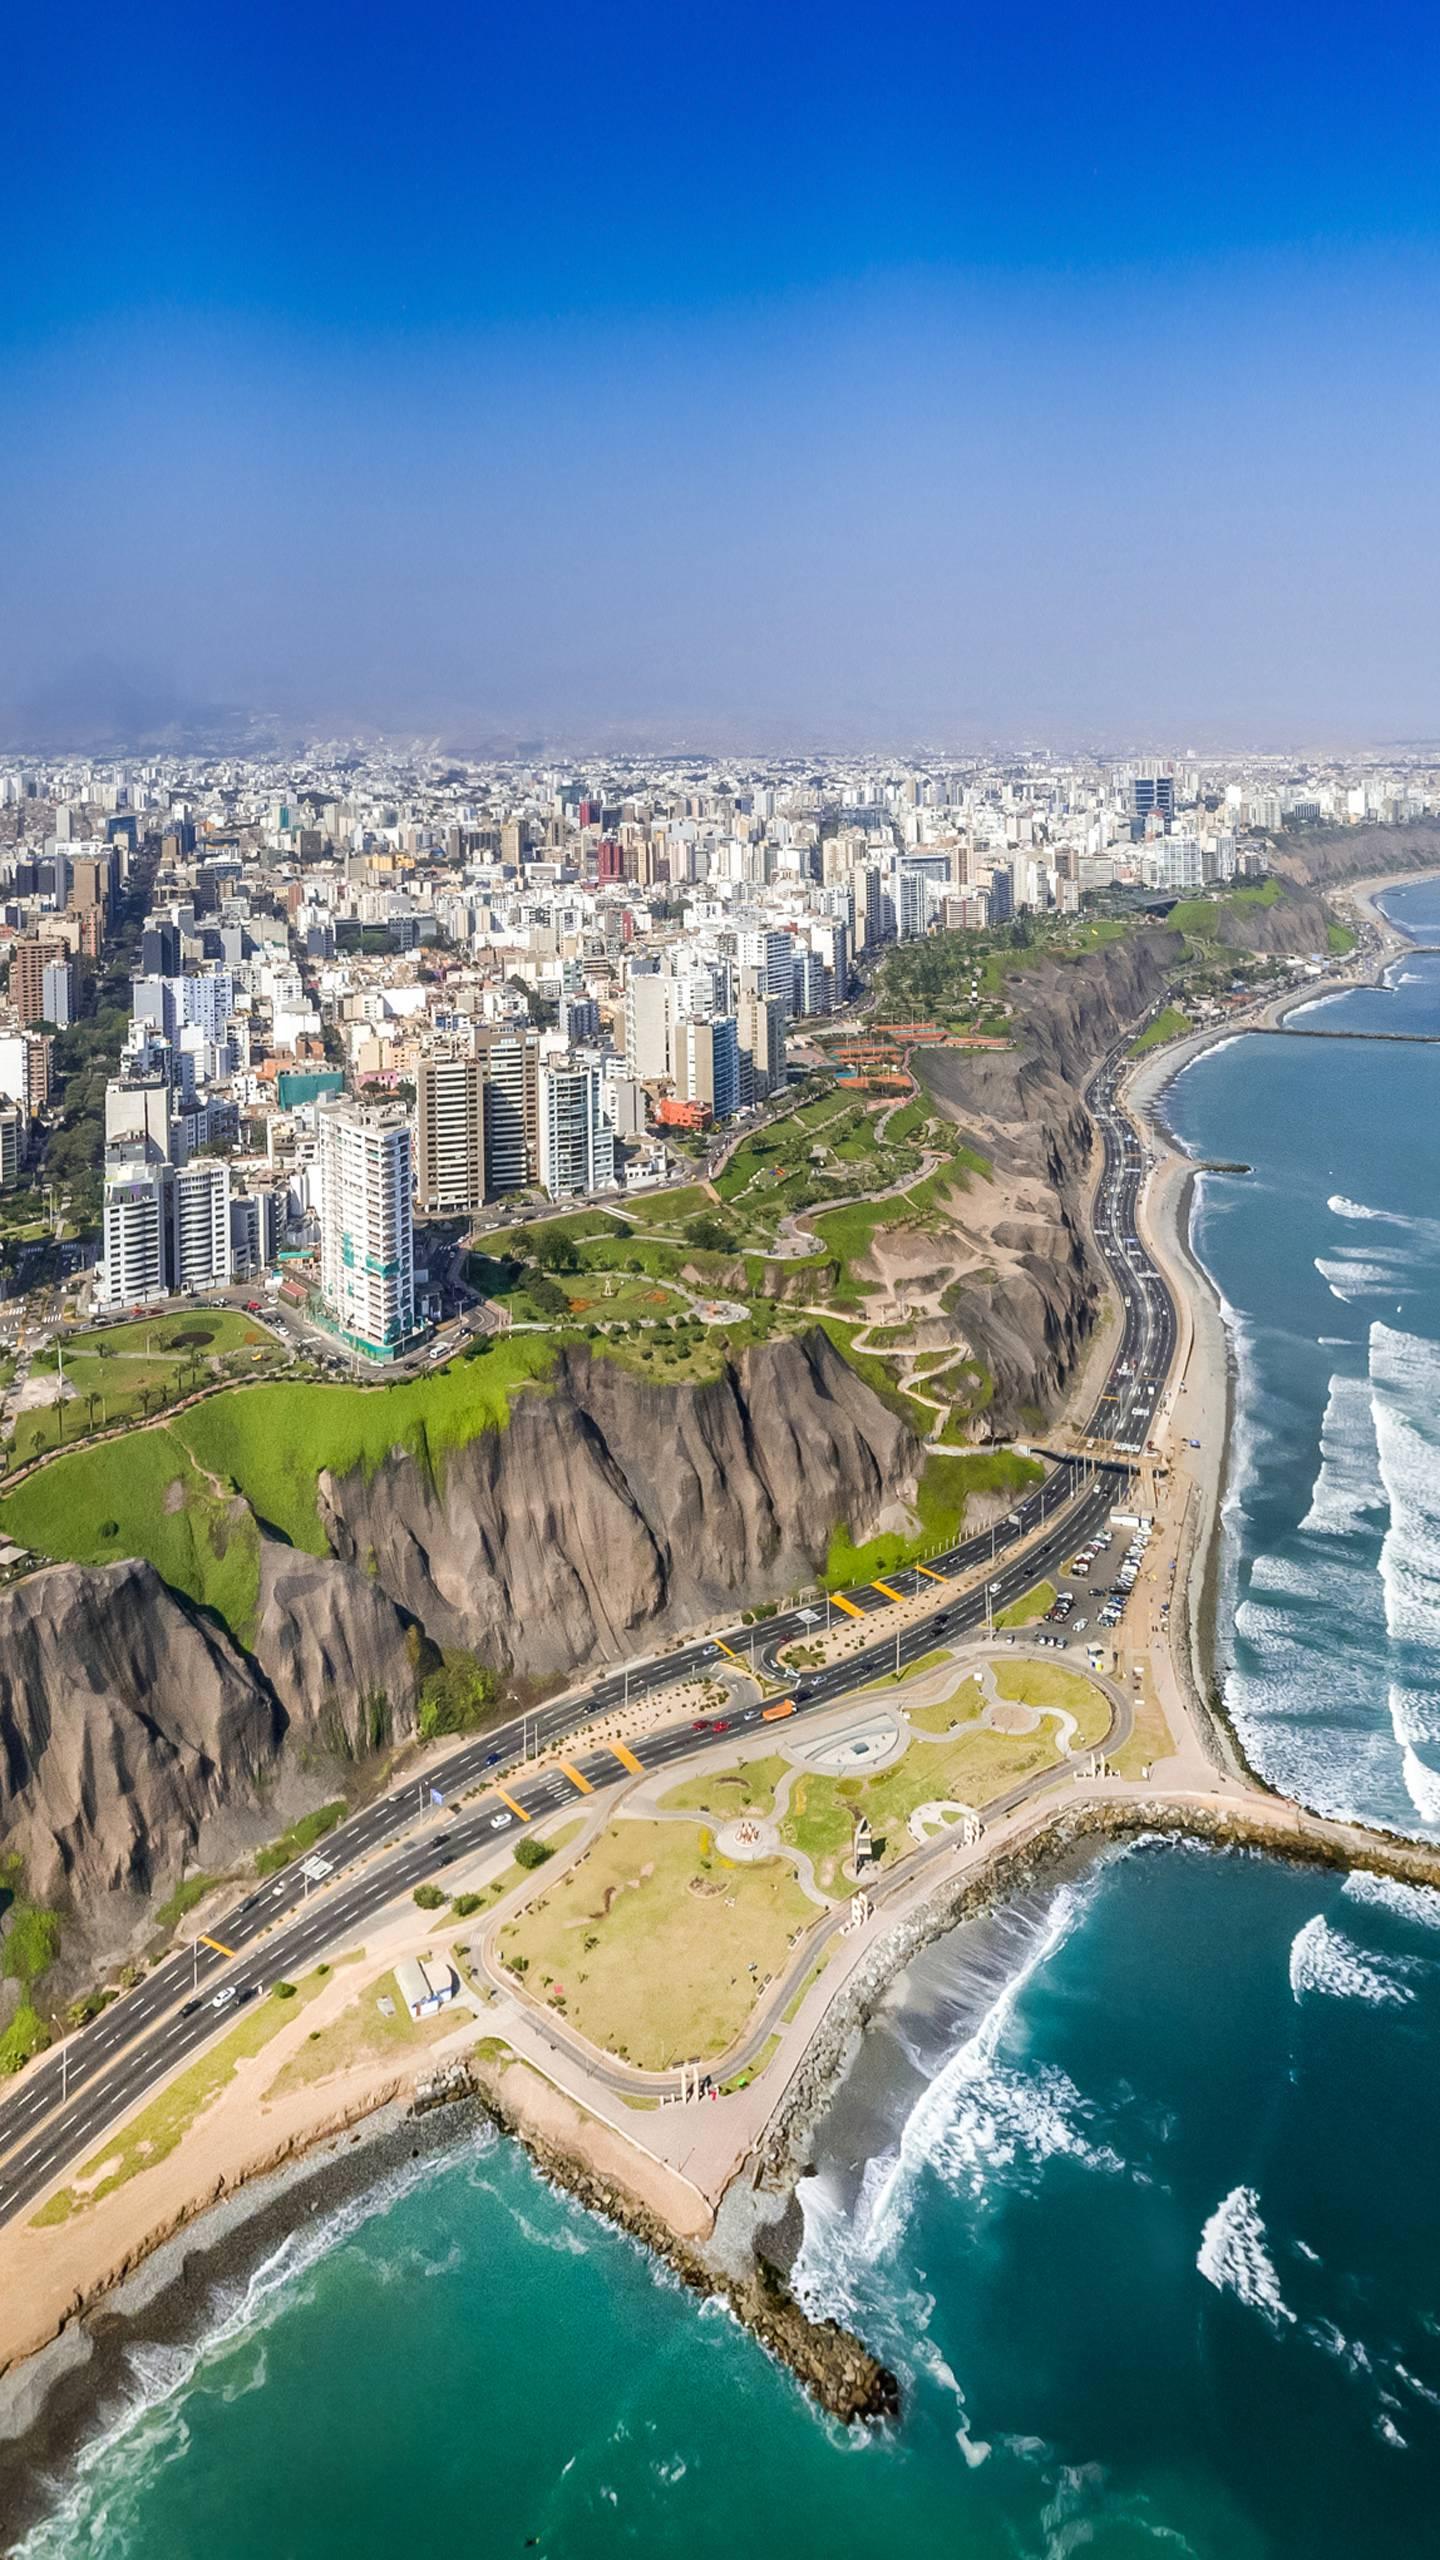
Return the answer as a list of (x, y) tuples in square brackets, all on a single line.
[(1131, 2181)]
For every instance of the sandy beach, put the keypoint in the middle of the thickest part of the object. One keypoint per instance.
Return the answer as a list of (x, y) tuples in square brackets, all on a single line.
[(277, 2147)]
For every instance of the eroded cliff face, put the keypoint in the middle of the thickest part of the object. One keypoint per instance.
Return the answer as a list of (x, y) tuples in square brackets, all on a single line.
[(611, 1512), (1322, 857), (125, 1726), (1029, 1298), (136, 1739)]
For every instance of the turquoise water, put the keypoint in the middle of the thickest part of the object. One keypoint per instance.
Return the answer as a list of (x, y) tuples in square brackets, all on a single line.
[(1133, 2182)]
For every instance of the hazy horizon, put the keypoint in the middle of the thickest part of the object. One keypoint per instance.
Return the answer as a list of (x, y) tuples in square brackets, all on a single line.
[(825, 383)]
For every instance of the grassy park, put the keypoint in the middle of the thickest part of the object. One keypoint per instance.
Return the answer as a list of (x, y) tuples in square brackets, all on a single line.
[(127, 1372), (652, 1946)]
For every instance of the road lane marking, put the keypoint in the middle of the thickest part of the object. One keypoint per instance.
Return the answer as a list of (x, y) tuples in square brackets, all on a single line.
[(515, 1806), (889, 1590), (847, 1605), (627, 1759)]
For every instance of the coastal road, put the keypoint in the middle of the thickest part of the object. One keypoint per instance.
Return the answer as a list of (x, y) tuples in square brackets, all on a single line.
[(73, 2094)]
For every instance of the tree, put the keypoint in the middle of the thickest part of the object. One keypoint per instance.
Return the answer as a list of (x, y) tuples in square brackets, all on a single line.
[(544, 1296), (428, 1897), (457, 1697), (554, 1249), (710, 1234), (532, 1853)]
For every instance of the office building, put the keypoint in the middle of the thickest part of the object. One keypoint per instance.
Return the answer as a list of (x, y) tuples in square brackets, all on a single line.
[(449, 1135), (367, 1254)]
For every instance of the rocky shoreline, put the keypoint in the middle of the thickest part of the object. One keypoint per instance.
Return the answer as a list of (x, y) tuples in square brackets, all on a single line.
[(56, 2400)]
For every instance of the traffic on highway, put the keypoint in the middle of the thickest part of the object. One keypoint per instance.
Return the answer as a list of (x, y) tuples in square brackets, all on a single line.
[(404, 1837)]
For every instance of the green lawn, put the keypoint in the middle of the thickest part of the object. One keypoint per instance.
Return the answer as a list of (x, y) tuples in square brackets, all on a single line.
[(655, 1947), (747, 1788), (946, 1486), (143, 1496), (1030, 1606), (668, 1208), (120, 1373), (148, 1494), (1167, 1025), (971, 1766)]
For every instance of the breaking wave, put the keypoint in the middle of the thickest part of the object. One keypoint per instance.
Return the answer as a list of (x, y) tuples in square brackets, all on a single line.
[(1323, 1959), (151, 2425), (1417, 1902), (1406, 1374), (1348, 1484), (1234, 2258), (1352, 1275)]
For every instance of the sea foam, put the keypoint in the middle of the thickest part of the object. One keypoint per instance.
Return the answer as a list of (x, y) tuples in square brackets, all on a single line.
[(1405, 1370), (1323, 1959), (1417, 1902), (1234, 2258)]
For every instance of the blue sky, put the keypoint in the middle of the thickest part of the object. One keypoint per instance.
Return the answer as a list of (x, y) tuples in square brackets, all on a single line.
[(786, 374)]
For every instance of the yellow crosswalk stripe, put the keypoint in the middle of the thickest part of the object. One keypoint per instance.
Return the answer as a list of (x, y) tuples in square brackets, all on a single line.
[(929, 1576), (627, 1759), (723, 1647), (515, 1807), (220, 1949), (887, 1588), (847, 1605), (567, 1770)]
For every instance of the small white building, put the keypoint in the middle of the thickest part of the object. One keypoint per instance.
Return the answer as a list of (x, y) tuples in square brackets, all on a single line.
[(425, 1986)]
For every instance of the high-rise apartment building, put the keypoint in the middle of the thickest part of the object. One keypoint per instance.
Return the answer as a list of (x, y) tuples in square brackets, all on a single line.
[(199, 1220), (450, 1135), (649, 1015), (367, 1252), (577, 1143), (512, 1110), (28, 964), (707, 1064), (134, 1229)]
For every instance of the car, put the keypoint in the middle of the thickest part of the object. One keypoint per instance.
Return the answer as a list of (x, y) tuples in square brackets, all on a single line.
[(224, 1999), (501, 1821), (721, 1725), (189, 2007), (700, 1725)]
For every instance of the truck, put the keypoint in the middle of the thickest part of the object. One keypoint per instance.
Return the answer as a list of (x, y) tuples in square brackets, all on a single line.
[(781, 1707)]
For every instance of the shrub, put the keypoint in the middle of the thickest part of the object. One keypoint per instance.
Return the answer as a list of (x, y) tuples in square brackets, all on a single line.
[(284, 1990), (32, 1942), (464, 1903), (532, 1853), (428, 1897), (457, 1697), (26, 2035)]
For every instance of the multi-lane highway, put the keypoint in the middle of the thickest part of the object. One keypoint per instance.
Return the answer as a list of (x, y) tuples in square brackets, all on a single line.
[(71, 2096)]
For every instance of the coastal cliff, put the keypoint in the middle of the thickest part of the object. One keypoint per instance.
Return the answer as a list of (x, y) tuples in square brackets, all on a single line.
[(610, 1511), (1030, 1310), (137, 1737)]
